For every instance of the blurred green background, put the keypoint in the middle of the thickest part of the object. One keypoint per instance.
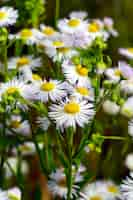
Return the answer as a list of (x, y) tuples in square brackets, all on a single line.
[(120, 10)]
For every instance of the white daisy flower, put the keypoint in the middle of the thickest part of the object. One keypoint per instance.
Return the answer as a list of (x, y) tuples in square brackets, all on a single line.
[(127, 52), (111, 107), (27, 149), (127, 187), (28, 36), (58, 184), (53, 46), (43, 123), (129, 161), (112, 190), (71, 113), (127, 108), (47, 32), (51, 90), (76, 73), (18, 125), (8, 16), (86, 93), (16, 86), (14, 194), (3, 195), (113, 74), (95, 29), (71, 25), (78, 14), (13, 163), (94, 191), (24, 62)]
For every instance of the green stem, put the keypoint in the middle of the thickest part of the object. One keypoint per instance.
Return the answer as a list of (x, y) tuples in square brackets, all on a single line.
[(57, 11), (112, 138), (70, 134)]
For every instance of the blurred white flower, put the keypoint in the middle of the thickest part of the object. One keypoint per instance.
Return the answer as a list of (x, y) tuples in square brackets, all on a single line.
[(8, 16), (127, 108), (129, 160), (111, 107), (14, 194)]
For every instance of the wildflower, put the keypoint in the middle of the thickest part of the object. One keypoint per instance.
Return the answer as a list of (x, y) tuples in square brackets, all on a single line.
[(28, 36), (18, 125), (113, 74), (24, 62), (51, 90), (58, 184), (71, 113), (18, 87), (71, 25), (76, 73), (8, 16), (111, 107)]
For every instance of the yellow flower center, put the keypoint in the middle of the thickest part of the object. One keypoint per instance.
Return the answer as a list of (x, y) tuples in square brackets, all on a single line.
[(83, 91), (15, 124), (64, 50), (58, 43), (26, 33), (49, 31), (130, 50), (113, 189), (12, 90), (83, 71), (47, 86), (72, 108), (95, 198), (93, 27), (36, 77), (117, 72), (2, 15), (22, 61), (12, 197), (74, 23)]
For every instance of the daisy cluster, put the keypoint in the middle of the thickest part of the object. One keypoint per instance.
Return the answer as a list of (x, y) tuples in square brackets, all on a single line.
[(54, 85)]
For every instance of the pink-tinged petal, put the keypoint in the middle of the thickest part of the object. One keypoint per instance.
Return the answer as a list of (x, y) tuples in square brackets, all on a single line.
[(126, 70)]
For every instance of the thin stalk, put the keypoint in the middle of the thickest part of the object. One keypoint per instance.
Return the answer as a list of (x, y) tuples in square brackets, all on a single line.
[(112, 138), (70, 135), (57, 11)]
